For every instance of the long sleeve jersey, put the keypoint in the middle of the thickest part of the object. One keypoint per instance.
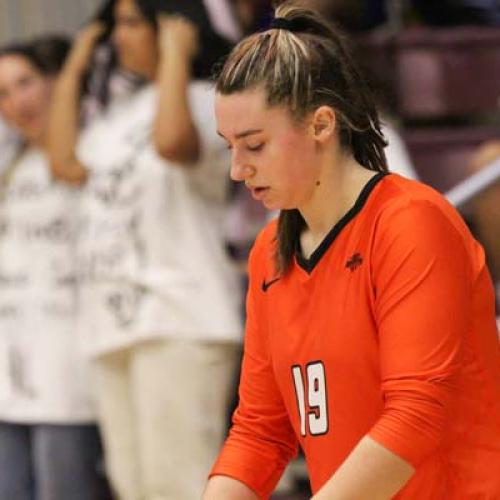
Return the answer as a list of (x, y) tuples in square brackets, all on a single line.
[(387, 330)]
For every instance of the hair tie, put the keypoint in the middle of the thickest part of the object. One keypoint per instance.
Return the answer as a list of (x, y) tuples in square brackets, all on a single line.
[(294, 25)]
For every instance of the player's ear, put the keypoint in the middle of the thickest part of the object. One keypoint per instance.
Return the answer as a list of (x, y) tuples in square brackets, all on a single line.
[(323, 123)]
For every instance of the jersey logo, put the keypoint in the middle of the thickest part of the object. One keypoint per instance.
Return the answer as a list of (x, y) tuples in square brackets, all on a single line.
[(267, 284), (354, 262)]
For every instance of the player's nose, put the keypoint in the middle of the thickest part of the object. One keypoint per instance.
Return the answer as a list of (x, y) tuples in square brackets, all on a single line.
[(240, 170)]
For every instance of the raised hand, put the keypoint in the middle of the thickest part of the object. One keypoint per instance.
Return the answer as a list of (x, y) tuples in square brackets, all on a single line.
[(178, 34), (83, 47)]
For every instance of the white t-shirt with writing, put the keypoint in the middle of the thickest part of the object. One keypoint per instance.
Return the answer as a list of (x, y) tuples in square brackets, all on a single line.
[(152, 258), (43, 377), (9, 143)]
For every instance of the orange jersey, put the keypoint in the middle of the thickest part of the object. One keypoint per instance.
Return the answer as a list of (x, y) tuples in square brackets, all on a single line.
[(388, 330)]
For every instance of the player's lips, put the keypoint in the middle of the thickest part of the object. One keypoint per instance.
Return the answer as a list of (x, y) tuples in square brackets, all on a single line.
[(258, 192)]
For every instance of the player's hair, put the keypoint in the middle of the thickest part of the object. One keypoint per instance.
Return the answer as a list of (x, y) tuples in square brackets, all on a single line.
[(304, 66)]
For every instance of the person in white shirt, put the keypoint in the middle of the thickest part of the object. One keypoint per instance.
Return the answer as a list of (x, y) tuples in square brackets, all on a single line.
[(9, 143), (159, 296), (49, 444)]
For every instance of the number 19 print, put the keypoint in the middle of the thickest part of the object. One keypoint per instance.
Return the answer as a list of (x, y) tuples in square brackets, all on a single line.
[(316, 422)]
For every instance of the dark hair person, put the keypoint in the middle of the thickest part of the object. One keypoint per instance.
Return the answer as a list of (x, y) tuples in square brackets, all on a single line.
[(370, 339), (34, 64), (158, 315), (99, 81), (212, 45), (47, 421)]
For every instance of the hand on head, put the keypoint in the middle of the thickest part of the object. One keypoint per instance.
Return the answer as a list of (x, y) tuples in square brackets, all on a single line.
[(83, 47), (179, 34)]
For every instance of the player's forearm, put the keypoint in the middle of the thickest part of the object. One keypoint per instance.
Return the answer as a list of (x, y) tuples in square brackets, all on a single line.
[(371, 471), (227, 488), (175, 135)]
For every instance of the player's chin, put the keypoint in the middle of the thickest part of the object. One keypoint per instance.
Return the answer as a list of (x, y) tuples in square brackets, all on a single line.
[(272, 204), (273, 200), (277, 203)]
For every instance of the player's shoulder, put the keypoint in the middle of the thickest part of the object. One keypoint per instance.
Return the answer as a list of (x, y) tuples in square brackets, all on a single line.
[(401, 197), (415, 211), (397, 189)]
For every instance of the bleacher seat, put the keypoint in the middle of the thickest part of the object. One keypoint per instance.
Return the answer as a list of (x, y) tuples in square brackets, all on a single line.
[(447, 72)]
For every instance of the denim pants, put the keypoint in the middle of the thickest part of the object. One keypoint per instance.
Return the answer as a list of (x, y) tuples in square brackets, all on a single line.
[(50, 462)]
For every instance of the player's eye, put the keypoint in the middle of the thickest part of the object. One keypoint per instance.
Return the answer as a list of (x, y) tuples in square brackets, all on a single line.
[(255, 147)]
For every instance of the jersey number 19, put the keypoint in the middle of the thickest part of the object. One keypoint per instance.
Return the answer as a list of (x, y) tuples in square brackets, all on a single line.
[(314, 416)]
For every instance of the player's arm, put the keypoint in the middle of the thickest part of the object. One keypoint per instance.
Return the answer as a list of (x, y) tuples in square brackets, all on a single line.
[(371, 471), (227, 488), (174, 134), (261, 441), (422, 283)]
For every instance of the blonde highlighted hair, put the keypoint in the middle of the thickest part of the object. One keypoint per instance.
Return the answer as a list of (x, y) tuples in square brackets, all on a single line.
[(303, 67)]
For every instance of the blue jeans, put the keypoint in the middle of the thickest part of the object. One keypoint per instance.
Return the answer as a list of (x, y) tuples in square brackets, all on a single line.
[(50, 462)]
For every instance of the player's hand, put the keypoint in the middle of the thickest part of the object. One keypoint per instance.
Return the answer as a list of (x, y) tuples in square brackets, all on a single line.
[(83, 47), (178, 34)]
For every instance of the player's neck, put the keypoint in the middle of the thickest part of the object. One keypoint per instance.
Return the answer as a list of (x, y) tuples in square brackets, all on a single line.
[(337, 192)]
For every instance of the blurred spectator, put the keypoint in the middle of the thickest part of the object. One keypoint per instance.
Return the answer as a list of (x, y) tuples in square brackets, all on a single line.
[(50, 51), (159, 299), (49, 447), (8, 144), (107, 80)]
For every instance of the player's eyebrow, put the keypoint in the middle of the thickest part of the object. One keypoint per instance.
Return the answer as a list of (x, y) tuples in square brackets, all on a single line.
[(245, 133)]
